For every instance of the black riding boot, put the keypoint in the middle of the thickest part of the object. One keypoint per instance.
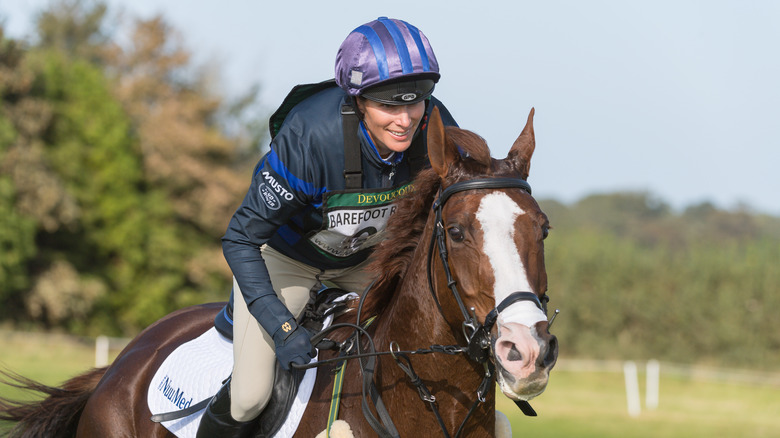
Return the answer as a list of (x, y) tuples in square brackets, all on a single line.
[(217, 421)]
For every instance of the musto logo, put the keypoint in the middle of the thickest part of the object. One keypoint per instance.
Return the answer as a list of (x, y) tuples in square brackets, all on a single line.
[(270, 191), (173, 393)]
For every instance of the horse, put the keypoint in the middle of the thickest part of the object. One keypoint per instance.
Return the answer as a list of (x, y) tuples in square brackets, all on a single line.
[(461, 270)]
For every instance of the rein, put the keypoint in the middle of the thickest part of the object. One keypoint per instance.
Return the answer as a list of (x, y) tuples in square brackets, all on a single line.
[(477, 335)]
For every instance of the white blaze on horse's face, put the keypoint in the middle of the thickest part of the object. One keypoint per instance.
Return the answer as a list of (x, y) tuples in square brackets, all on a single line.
[(518, 345)]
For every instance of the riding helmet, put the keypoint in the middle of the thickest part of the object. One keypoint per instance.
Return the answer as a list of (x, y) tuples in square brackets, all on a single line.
[(388, 61)]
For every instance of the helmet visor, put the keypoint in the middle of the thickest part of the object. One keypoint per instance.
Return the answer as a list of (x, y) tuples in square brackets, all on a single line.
[(404, 92)]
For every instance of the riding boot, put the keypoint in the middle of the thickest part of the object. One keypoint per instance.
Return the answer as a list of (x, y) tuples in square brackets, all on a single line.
[(217, 421)]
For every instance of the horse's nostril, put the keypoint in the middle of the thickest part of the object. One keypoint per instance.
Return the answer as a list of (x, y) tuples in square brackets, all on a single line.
[(514, 355)]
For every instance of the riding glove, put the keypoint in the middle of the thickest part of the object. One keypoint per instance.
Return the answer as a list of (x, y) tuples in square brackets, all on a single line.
[(293, 345)]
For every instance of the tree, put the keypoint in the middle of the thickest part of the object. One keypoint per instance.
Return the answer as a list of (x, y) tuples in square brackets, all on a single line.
[(75, 27), (183, 149), (118, 180), (29, 196)]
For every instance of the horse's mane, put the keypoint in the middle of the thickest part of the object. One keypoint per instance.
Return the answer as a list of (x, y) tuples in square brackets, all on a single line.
[(392, 257)]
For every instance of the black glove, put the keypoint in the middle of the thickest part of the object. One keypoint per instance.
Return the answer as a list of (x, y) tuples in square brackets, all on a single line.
[(293, 344)]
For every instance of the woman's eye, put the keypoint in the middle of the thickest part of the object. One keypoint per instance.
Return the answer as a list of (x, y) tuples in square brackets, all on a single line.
[(456, 234)]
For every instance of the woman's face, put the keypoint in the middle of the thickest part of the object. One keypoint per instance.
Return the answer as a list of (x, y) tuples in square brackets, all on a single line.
[(391, 127)]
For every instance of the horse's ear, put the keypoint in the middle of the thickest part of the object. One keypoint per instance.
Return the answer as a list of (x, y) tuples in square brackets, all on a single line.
[(441, 152), (523, 149)]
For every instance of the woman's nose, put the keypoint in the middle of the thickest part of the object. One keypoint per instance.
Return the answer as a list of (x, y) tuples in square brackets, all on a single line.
[(403, 118)]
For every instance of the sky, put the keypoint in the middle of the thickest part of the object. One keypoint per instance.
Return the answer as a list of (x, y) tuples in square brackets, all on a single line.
[(677, 98)]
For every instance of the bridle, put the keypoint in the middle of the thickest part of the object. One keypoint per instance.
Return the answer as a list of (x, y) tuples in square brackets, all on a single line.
[(477, 334)]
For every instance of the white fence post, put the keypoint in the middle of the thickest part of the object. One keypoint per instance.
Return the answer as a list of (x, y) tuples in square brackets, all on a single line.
[(653, 383), (632, 388), (101, 351)]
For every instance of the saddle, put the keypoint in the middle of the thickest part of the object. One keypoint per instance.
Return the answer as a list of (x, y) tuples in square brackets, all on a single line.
[(323, 303)]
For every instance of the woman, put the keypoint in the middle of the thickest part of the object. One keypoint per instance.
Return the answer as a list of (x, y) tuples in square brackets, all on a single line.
[(319, 199)]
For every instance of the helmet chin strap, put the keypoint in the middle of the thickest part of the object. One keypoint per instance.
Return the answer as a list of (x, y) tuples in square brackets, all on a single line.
[(356, 106)]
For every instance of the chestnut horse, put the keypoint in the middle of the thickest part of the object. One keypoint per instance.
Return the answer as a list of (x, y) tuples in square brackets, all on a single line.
[(460, 278)]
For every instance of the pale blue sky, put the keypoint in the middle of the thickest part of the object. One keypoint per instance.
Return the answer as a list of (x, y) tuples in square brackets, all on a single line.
[(678, 98)]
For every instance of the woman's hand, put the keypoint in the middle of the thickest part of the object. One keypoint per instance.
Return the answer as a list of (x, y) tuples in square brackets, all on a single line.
[(293, 344)]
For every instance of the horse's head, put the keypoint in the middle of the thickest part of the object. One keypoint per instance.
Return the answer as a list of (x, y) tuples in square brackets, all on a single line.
[(493, 232)]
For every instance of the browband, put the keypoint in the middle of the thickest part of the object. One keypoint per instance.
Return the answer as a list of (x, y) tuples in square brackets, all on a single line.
[(482, 183)]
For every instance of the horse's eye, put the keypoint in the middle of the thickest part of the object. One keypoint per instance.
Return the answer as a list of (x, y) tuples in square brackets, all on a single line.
[(545, 232), (456, 234)]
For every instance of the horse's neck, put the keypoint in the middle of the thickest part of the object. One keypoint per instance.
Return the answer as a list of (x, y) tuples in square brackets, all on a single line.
[(412, 319), (412, 315)]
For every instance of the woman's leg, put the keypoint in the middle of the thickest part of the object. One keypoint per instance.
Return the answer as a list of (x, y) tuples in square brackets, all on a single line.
[(354, 279), (253, 349), (253, 355)]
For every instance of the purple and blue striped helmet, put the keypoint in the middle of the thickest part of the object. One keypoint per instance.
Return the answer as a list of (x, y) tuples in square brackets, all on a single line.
[(389, 61)]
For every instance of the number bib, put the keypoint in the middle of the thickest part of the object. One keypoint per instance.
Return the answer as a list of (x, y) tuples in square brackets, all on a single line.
[(354, 221)]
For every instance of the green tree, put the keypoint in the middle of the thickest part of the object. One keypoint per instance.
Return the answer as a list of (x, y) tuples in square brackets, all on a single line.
[(118, 179), (640, 281), (23, 204), (74, 27)]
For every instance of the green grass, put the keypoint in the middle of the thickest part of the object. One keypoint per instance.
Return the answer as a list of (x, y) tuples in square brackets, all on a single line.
[(579, 404), (47, 358), (593, 404)]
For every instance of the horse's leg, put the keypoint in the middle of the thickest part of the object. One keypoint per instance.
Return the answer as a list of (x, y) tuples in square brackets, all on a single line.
[(118, 405)]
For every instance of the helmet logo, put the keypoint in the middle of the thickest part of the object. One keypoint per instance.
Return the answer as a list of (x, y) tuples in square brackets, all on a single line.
[(408, 97), (356, 78)]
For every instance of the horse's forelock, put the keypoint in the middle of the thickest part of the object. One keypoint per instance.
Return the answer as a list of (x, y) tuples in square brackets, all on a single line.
[(471, 146)]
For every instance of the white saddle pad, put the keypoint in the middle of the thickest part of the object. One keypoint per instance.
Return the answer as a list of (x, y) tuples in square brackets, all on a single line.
[(196, 370)]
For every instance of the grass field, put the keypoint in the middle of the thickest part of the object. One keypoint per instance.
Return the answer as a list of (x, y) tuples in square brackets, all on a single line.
[(576, 403), (593, 404)]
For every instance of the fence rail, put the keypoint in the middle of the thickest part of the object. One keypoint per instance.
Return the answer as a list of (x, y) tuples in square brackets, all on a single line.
[(694, 372)]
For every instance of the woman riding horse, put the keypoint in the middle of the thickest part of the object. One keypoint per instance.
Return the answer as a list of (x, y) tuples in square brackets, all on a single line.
[(306, 218), (460, 268), (466, 278)]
